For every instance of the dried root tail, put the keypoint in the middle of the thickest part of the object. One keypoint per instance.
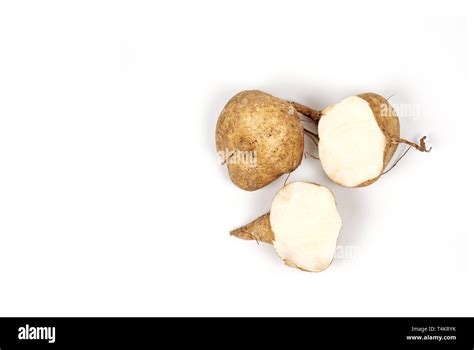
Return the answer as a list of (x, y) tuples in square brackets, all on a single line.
[(421, 147)]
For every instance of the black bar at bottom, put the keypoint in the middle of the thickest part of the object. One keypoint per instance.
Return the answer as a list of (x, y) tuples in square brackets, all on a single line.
[(411, 333)]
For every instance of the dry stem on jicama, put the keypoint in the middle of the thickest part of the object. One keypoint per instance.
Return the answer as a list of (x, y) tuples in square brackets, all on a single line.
[(267, 128), (357, 139), (303, 225)]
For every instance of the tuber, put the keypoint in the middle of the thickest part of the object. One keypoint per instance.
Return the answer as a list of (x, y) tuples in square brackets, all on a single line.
[(303, 225), (259, 138), (357, 139)]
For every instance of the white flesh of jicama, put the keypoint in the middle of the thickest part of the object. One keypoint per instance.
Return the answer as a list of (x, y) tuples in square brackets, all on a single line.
[(351, 146), (306, 223)]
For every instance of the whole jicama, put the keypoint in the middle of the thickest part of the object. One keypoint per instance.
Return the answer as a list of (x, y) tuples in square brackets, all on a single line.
[(259, 137)]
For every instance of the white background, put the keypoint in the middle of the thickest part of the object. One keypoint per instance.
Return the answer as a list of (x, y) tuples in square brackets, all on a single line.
[(112, 199)]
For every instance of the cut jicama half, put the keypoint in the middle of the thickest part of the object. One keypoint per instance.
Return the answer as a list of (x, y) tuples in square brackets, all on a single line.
[(303, 225), (357, 139)]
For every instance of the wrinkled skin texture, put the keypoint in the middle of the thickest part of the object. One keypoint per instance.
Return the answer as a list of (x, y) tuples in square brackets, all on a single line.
[(266, 126)]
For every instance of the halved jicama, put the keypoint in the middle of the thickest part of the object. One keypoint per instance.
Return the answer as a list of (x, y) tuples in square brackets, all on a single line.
[(303, 225), (357, 139)]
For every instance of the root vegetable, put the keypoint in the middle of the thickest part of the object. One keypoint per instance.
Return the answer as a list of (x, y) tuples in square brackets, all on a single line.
[(303, 225), (358, 137), (260, 138)]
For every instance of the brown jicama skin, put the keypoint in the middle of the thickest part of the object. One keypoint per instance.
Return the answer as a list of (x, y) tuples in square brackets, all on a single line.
[(263, 128), (390, 126), (258, 230)]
